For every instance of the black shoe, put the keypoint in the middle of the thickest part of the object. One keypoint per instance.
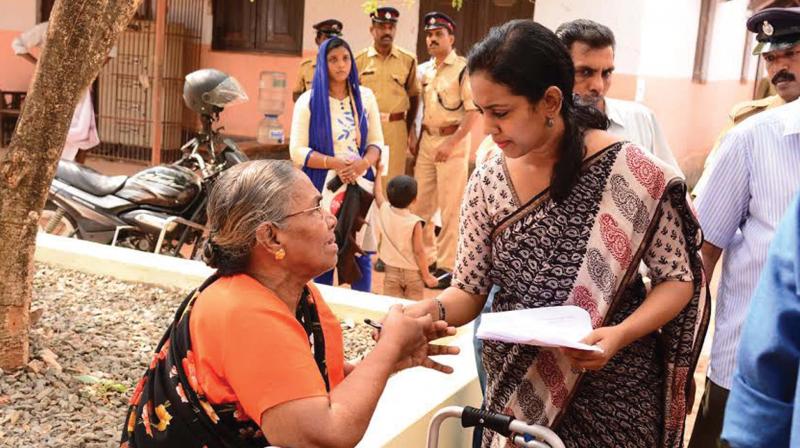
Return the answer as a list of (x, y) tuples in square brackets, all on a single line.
[(380, 266), (432, 267), (439, 272), (444, 281)]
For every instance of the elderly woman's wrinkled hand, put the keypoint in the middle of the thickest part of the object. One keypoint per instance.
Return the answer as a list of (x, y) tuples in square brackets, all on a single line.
[(412, 337)]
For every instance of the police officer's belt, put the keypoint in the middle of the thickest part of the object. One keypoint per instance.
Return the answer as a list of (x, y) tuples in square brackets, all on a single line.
[(397, 116), (442, 132)]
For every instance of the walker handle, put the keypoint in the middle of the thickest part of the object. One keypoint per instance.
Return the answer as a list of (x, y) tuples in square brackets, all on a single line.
[(488, 419)]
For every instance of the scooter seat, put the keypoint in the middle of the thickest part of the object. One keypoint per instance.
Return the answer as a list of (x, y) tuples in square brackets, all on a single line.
[(87, 179)]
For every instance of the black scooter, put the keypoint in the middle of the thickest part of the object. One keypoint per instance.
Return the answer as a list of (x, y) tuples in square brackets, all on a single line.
[(161, 209)]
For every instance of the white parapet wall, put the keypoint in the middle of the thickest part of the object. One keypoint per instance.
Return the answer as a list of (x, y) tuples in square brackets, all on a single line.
[(411, 397)]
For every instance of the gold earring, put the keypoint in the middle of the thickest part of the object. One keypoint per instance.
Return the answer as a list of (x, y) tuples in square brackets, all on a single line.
[(280, 254)]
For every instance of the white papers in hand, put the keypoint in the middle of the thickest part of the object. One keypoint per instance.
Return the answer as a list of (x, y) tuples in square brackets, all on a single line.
[(555, 326)]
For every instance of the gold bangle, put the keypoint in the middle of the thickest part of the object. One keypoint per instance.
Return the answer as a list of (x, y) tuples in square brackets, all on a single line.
[(325, 162)]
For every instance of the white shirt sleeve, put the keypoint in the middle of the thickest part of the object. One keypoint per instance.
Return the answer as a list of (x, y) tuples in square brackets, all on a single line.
[(298, 136), (722, 203), (32, 38)]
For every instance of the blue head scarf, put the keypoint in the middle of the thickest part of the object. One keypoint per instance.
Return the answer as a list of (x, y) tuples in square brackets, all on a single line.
[(320, 138)]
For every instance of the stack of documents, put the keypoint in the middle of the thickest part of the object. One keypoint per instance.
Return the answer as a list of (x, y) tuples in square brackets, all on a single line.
[(556, 326)]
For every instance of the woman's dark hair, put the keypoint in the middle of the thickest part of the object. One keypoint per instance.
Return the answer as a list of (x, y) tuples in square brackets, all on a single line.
[(528, 58), (242, 198), (336, 42)]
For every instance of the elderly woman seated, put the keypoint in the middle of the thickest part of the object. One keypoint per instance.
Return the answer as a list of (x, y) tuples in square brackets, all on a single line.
[(254, 357)]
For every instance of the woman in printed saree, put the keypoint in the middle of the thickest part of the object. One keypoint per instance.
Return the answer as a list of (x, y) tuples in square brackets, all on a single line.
[(254, 356), (336, 139), (565, 214)]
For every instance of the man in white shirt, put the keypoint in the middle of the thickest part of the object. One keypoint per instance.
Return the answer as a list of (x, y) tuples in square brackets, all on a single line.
[(746, 190), (592, 48), (82, 133)]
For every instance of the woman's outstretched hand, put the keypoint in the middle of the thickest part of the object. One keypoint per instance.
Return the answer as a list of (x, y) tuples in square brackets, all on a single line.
[(411, 337)]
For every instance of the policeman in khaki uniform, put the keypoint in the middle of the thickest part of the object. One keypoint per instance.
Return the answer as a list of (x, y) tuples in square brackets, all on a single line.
[(778, 38), (325, 30), (444, 145), (391, 73)]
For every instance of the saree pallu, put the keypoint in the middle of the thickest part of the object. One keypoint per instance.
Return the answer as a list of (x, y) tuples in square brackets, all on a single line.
[(586, 251), (169, 409)]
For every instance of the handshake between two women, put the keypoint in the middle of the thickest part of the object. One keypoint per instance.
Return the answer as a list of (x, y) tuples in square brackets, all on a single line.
[(409, 340)]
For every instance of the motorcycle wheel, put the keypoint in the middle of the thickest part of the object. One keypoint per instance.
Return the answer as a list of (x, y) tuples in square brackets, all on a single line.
[(54, 221)]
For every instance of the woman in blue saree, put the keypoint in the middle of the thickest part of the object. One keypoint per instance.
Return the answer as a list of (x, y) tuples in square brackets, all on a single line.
[(336, 133)]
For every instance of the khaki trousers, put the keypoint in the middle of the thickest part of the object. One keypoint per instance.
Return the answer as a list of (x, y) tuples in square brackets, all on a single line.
[(441, 185), (395, 136), (403, 283)]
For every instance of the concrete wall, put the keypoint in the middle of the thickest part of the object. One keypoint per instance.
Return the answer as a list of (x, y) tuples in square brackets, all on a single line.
[(15, 16), (729, 38), (19, 15), (246, 67), (655, 60), (655, 56), (350, 13), (552, 13)]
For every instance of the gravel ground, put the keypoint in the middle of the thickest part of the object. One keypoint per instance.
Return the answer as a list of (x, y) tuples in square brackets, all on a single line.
[(357, 340), (89, 348)]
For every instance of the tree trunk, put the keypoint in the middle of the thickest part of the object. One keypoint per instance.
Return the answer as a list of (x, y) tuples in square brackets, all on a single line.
[(80, 35)]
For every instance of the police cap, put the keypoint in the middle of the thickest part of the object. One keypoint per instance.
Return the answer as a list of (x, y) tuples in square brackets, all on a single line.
[(775, 28), (330, 27), (434, 20), (385, 14)]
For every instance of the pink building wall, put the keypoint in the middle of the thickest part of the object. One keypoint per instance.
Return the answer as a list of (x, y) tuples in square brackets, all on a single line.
[(15, 72), (691, 114), (242, 119)]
